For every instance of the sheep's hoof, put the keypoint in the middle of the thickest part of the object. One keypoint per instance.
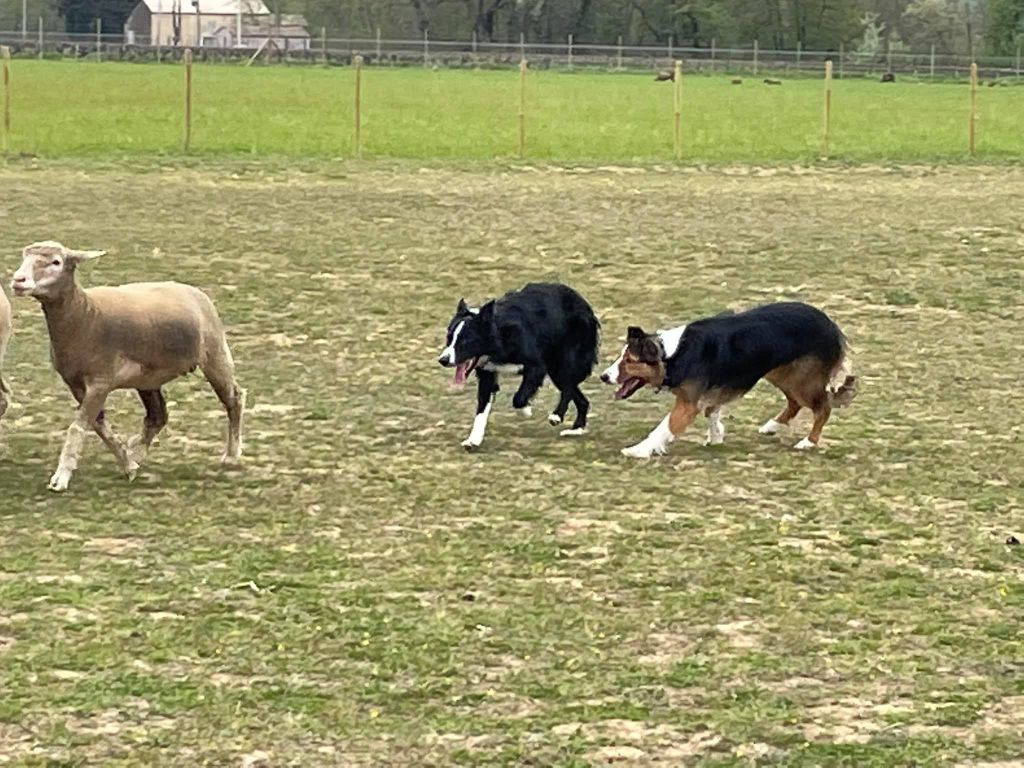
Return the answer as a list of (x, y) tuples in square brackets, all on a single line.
[(60, 480), (131, 471), (227, 460)]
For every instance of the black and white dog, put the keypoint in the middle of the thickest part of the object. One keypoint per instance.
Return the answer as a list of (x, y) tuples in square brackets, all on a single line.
[(545, 329)]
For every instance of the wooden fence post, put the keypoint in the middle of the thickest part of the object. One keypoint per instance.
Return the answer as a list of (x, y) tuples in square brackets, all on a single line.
[(522, 108), (39, 53), (1018, 60), (713, 47), (5, 64), (188, 98), (570, 51), (357, 139), (323, 45), (377, 60), (618, 65), (671, 55), (755, 57), (971, 130), (842, 58), (99, 41), (474, 40), (426, 48), (931, 64), (677, 109), (827, 128)]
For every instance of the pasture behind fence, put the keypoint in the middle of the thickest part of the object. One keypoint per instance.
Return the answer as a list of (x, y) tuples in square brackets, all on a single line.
[(568, 55), (675, 128)]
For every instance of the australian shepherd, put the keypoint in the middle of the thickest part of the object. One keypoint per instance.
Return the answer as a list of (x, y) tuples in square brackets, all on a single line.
[(543, 330), (712, 361)]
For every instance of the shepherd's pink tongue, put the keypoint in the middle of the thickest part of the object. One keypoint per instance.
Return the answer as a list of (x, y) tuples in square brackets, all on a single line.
[(460, 374)]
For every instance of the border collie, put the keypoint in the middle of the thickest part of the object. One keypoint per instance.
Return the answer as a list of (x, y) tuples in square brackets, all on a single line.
[(545, 329), (715, 360)]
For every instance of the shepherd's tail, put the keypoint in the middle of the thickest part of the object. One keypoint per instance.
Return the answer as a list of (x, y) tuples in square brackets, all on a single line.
[(842, 385)]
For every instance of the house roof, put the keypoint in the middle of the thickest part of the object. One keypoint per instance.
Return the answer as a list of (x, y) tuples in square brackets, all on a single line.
[(212, 7)]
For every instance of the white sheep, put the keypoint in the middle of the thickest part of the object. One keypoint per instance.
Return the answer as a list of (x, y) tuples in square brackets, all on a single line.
[(5, 336), (136, 336)]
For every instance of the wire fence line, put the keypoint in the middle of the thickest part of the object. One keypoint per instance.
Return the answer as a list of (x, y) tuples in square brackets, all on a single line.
[(470, 54)]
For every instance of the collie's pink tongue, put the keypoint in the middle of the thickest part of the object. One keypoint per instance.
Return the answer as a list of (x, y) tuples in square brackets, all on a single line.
[(461, 372)]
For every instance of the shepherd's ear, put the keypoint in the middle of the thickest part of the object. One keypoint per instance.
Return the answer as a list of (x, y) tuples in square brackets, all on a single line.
[(635, 334), (650, 351), (76, 257), (487, 311), (462, 307)]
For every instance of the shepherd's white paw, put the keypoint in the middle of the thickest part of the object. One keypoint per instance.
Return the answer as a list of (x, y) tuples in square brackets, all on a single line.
[(714, 438), (770, 427), (554, 419), (573, 432), (638, 451), (805, 445), (526, 412), (471, 444)]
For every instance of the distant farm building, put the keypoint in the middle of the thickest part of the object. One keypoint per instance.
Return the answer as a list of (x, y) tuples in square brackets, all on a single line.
[(214, 23)]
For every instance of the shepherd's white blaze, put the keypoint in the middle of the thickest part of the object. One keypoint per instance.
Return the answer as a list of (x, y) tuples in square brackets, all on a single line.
[(612, 371)]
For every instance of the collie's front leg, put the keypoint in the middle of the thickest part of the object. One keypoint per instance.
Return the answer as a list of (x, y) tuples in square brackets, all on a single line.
[(671, 427)]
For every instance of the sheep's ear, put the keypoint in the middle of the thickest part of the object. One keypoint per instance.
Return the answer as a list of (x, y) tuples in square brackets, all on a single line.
[(77, 257)]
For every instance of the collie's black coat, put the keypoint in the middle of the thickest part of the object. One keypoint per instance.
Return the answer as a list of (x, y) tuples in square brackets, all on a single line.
[(545, 329), (734, 351)]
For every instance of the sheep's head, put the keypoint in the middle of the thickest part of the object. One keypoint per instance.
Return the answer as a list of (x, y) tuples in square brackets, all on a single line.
[(47, 268)]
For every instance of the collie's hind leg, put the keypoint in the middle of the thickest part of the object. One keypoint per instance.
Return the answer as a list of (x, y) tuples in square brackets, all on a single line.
[(579, 425), (564, 398)]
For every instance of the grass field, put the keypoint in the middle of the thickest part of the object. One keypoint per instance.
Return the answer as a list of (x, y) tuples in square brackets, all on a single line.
[(363, 592), (75, 109)]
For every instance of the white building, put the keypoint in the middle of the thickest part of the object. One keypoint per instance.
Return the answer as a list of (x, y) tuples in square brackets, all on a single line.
[(201, 22)]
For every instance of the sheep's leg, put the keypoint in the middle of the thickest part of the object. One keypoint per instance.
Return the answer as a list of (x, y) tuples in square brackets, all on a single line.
[(5, 393), (155, 420), (85, 419), (220, 372), (116, 445)]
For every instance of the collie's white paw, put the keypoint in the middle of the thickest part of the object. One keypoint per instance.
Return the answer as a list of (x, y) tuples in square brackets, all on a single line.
[(554, 419), (573, 432), (471, 444), (805, 445), (770, 427), (526, 412)]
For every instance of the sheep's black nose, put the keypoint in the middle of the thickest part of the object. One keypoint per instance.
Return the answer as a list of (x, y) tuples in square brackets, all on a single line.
[(606, 378)]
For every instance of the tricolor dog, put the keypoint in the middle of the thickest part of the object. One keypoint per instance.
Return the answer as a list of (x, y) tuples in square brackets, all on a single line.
[(545, 329), (715, 360)]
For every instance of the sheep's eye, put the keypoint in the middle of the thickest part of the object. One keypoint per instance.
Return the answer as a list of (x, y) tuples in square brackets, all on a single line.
[(55, 263)]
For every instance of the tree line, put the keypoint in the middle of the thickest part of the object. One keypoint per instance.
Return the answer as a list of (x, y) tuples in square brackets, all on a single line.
[(953, 26)]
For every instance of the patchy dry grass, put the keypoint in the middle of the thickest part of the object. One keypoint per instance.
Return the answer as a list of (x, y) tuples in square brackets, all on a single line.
[(363, 592)]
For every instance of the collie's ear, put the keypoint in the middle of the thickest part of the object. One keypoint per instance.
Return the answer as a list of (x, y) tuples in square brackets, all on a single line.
[(461, 307), (486, 312)]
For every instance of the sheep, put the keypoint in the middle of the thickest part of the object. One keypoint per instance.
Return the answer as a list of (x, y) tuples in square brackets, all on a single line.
[(136, 336), (5, 336)]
